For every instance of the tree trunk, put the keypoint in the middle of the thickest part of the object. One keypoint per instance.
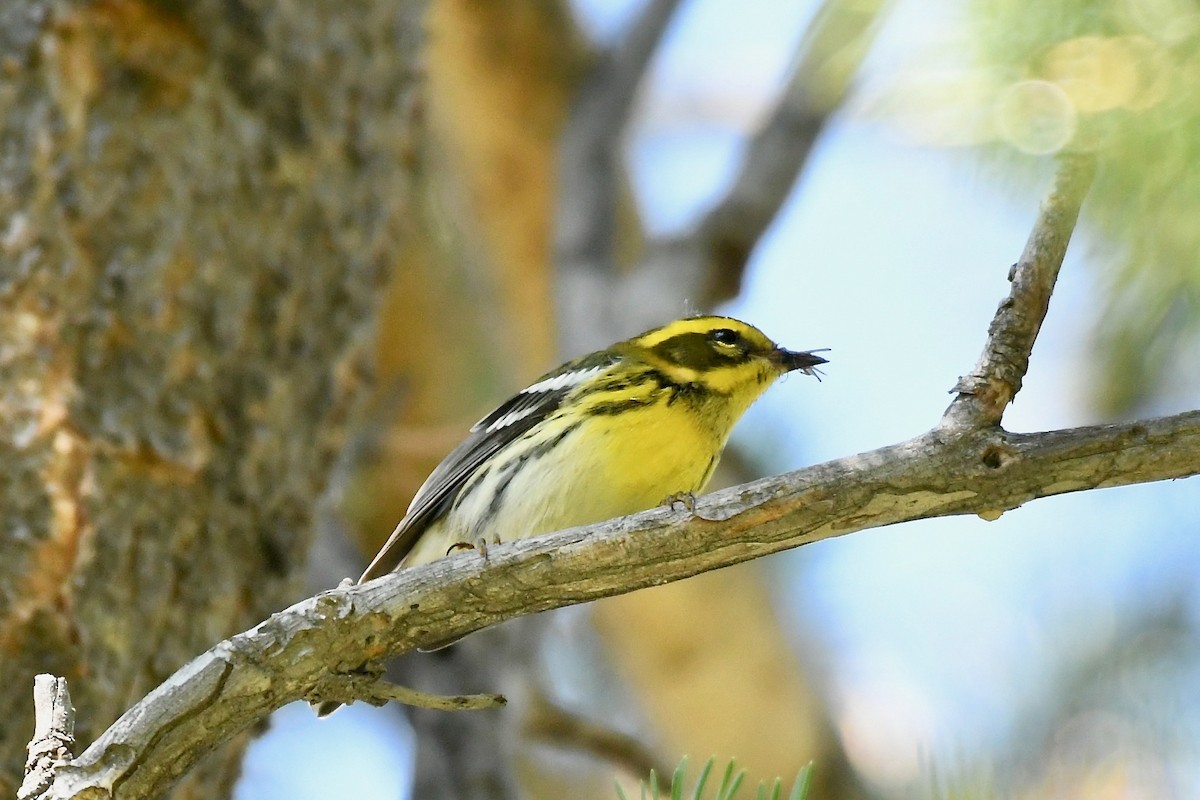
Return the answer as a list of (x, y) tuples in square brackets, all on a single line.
[(198, 202)]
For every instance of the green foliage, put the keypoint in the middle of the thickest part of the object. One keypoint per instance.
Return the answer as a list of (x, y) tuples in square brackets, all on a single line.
[(728, 788), (1121, 79)]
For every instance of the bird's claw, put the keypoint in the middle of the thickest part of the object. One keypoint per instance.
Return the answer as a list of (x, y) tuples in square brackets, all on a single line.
[(688, 501), (480, 545), (685, 499)]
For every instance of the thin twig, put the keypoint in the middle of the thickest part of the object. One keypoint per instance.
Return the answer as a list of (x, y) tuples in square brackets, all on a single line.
[(991, 386), (368, 686), (382, 692)]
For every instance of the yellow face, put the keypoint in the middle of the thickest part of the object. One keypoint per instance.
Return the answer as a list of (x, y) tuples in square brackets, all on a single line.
[(725, 355)]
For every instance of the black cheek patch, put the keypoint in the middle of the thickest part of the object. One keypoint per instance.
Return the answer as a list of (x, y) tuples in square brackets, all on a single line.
[(695, 351)]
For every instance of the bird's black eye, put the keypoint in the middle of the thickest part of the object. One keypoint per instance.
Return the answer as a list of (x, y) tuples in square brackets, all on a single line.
[(724, 336)]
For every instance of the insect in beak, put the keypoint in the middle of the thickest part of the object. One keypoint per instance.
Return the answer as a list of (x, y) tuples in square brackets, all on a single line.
[(803, 360)]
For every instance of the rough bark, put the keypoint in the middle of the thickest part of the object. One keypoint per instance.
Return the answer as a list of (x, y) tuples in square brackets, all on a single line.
[(199, 201)]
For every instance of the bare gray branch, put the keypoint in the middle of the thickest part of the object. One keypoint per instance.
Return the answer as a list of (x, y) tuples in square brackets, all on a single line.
[(986, 392), (298, 652)]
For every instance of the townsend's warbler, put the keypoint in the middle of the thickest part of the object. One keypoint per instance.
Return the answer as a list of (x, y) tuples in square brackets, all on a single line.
[(608, 434)]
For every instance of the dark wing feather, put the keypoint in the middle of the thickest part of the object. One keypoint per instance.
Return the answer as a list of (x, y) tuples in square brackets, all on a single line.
[(507, 423)]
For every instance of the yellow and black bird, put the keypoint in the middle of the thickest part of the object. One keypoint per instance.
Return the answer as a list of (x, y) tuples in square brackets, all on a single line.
[(605, 435)]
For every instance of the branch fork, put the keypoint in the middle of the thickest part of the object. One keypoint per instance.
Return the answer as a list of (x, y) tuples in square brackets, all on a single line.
[(986, 392)]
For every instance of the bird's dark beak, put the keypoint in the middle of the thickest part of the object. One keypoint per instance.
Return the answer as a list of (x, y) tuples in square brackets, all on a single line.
[(803, 360)]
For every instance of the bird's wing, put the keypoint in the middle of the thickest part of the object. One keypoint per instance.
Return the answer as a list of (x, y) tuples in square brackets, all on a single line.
[(507, 423)]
